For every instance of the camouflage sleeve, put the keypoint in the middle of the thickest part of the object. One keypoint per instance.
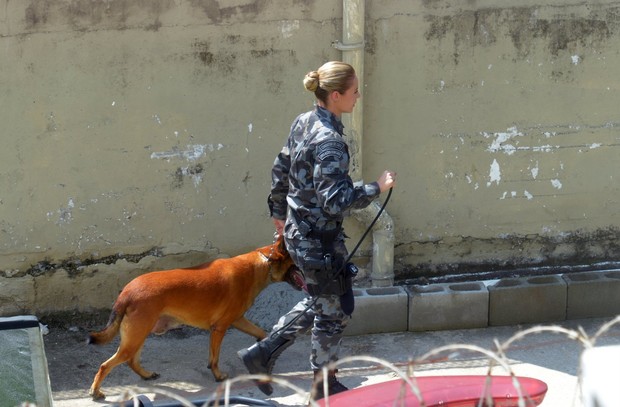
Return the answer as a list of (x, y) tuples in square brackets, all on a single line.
[(335, 189), (279, 179), (279, 184)]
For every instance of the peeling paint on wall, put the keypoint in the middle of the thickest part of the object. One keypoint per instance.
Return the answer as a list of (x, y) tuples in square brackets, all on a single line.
[(191, 153), (501, 139), (65, 214), (494, 173), (507, 142), (288, 28), (534, 171), (532, 157)]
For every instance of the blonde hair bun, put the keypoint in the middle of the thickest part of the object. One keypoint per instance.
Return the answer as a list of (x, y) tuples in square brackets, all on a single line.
[(311, 81)]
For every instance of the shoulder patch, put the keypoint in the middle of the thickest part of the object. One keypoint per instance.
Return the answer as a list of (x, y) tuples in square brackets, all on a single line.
[(331, 149)]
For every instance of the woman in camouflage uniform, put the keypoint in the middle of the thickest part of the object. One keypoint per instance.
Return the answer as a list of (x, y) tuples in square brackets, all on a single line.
[(311, 190)]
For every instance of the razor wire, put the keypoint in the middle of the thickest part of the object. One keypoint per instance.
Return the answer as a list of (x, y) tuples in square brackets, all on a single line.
[(404, 370)]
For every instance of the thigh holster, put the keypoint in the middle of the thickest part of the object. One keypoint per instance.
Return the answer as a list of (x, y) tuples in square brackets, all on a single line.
[(331, 277)]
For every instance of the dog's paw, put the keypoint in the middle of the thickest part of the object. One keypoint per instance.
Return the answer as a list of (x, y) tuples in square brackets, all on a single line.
[(221, 377), (96, 395), (153, 376)]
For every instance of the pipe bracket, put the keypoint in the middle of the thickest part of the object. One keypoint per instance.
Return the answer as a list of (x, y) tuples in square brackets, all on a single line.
[(348, 47)]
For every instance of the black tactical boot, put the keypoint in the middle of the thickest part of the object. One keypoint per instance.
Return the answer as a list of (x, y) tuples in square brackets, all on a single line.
[(333, 385), (261, 357)]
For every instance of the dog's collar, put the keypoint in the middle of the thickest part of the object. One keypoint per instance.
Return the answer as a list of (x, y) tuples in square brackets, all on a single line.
[(268, 260)]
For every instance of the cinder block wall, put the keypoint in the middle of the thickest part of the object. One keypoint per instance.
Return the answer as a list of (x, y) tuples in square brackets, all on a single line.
[(477, 304)]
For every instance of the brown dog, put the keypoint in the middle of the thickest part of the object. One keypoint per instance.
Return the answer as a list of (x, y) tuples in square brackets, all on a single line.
[(211, 296)]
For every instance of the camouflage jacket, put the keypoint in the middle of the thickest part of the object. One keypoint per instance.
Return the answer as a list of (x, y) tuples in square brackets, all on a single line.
[(310, 176)]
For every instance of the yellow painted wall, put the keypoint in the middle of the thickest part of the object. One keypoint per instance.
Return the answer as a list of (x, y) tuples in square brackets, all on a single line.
[(136, 133)]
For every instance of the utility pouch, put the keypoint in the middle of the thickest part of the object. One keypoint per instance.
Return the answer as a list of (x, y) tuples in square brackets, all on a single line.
[(304, 228), (330, 279)]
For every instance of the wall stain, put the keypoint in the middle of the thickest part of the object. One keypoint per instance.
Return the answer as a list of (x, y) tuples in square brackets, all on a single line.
[(579, 250), (561, 34), (524, 27), (36, 13), (178, 178), (261, 53), (246, 180), (220, 15), (223, 61), (228, 63), (233, 39), (202, 52), (83, 15), (73, 265)]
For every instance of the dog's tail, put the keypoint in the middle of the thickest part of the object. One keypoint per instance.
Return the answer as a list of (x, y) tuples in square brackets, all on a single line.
[(109, 332)]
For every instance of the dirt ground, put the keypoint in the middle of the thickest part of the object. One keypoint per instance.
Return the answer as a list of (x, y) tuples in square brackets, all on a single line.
[(180, 357)]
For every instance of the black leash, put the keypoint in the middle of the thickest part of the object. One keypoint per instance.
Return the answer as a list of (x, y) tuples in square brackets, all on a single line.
[(280, 331)]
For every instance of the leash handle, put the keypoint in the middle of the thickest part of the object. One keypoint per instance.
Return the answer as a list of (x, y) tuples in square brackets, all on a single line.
[(369, 228)]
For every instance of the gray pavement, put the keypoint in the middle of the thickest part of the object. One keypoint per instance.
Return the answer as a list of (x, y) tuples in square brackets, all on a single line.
[(181, 359)]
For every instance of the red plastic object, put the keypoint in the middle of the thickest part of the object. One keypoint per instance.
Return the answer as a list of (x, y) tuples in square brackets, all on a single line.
[(444, 391)]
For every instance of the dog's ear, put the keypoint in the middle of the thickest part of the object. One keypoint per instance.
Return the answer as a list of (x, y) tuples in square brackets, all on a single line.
[(280, 245)]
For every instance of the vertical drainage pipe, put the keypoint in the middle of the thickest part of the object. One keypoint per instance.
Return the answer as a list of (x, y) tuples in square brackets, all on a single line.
[(352, 47)]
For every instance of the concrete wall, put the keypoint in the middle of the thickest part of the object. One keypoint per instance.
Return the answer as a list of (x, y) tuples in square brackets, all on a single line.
[(503, 120), (139, 135)]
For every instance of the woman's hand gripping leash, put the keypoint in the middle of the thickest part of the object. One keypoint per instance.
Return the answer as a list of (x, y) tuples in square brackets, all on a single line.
[(387, 180)]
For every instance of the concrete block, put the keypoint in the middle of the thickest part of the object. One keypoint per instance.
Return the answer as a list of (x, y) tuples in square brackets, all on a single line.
[(448, 306), (377, 310), (592, 294), (17, 295), (55, 291), (527, 300), (96, 288)]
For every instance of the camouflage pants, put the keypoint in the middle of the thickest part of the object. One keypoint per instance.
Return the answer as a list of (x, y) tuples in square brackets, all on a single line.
[(325, 320)]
